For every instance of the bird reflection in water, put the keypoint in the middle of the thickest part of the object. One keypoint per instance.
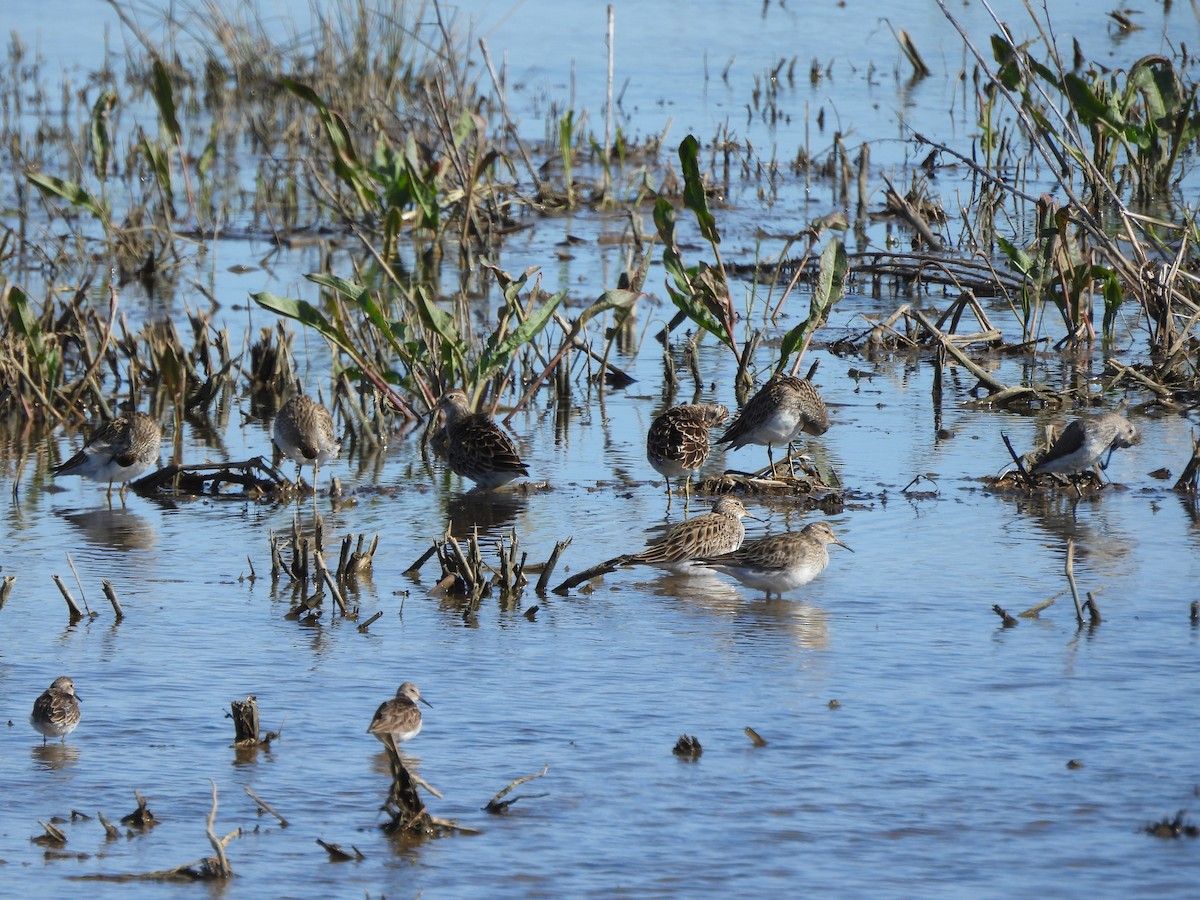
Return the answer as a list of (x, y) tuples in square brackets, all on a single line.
[(54, 755), (114, 529)]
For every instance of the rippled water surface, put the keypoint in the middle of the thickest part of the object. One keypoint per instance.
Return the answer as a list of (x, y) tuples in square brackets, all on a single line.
[(941, 770)]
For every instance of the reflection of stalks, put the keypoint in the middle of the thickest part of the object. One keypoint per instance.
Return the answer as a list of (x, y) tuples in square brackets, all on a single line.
[(1070, 571)]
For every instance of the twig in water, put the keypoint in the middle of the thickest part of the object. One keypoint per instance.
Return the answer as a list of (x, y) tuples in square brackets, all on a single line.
[(548, 568), (111, 594), (367, 624), (218, 845), (78, 583), (337, 854), (1033, 611), (75, 613), (1025, 474), (283, 823), (755, 737), (111, 831), (498, 805), (1005, 618)]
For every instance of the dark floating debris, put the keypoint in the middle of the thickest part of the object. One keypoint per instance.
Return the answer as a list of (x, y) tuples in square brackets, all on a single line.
[(245, 724), (1008, 621), (52, 836), (499, 806), (141, 818), (337, 854), (210, 868), (256, 479), (688, 747), (755, 737), (1173, 828), (1074, 764)]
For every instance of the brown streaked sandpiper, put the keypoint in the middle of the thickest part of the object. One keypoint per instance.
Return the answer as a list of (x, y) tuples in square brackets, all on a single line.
[(783, 408), (56, 711), (781, 562), (1084, 441), (476, 447), (677, 443), (119, 451), (399, 718), (303, 432)]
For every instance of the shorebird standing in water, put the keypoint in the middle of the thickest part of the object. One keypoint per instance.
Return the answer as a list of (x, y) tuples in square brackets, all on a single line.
[(119, 451), (303, 432), (476, 447), (710, 534), (779, 563), (677, 442), (56, 711), (1084, 441), (782, 409)]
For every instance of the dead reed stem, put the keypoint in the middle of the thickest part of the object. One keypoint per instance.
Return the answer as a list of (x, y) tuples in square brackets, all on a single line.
[(73, 609), (111, 594)]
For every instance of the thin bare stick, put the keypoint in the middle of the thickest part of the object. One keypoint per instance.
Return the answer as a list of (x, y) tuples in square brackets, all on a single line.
[(283, 823), (494, 805), (217, 844)]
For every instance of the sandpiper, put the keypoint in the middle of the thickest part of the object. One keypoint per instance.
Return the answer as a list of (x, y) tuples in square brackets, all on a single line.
[(783, 408), (303, 431), (781, 562), (56, 711), (711, 534), (119, 451), (399, 719), (677, 442), (476, 448), (1084, 441)]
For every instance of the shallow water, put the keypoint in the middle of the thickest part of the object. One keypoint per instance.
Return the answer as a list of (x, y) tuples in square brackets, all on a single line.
[(942, 771)]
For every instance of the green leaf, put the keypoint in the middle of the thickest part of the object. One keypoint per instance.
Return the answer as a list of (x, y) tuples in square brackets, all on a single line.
[(73, 193), (614, 299), (693, 189), (160, 163), (1088, 106), (351, 290), (99, 139), (830, 287), (1009, 73), (345, 160), (164, 97), (497, 359), (304, 313), (1017, 258)]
